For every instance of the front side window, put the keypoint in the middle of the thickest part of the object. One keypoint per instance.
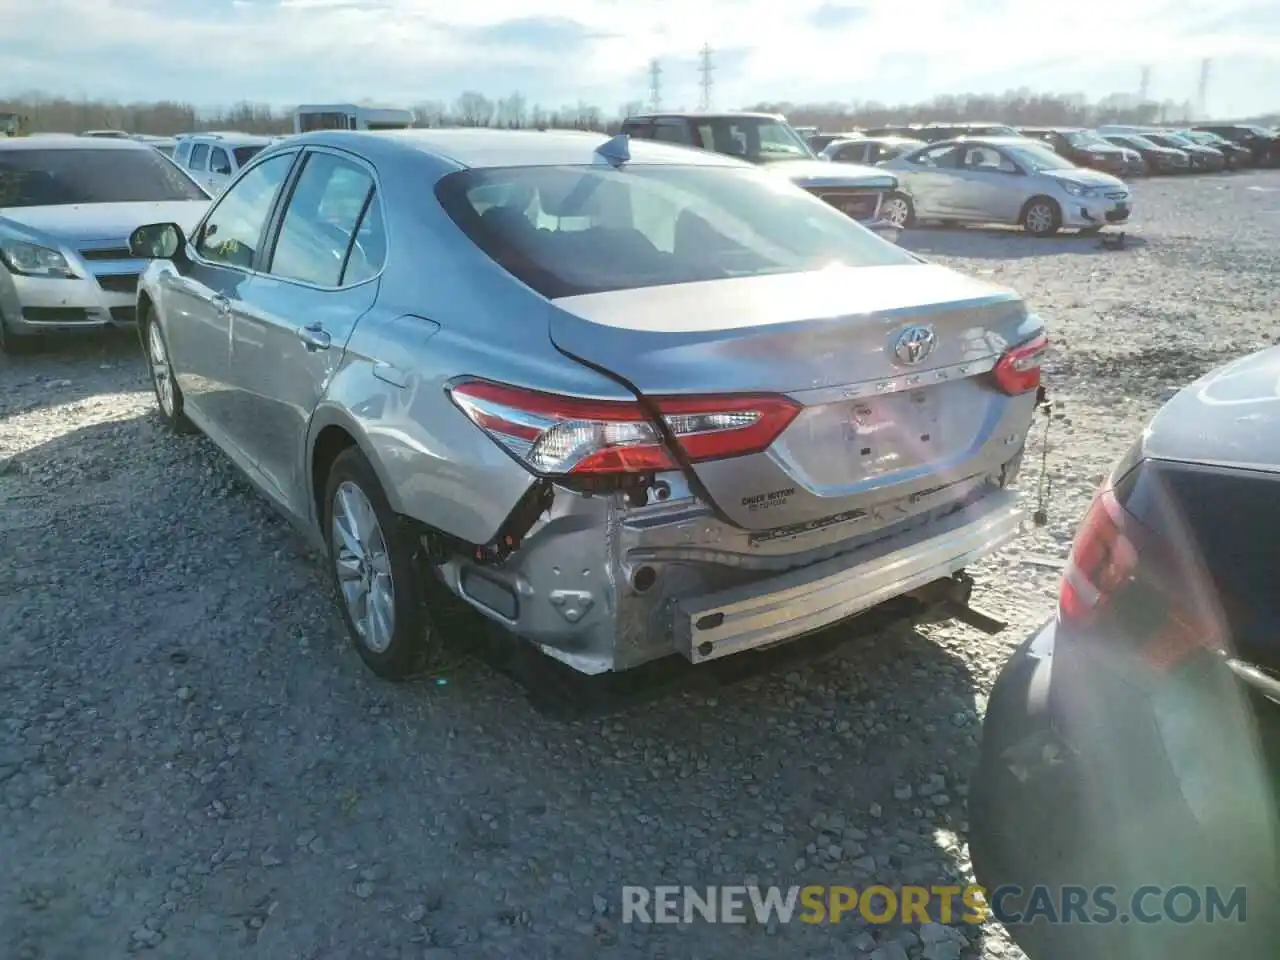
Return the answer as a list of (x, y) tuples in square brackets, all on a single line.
[(1036, 158), (758, 139), (315, 235), (988, 160), (671, 133), (233, 229), (200, 156), (39, 178), (183, 153), (576, 230)]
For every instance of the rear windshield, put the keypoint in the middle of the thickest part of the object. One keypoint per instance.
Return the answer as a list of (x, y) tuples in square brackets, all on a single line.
[(574, 230), (37, 178), (245, 154)]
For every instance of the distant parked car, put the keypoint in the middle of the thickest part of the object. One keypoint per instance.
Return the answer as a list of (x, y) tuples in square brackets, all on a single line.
[(1236, 156), (215, 158), (768, 140), (165, 145), (1203, 159), (871, 151), (1157, 159), (1133, 741), (819, 141), (107, 134), (625, 399), (1085, 148), (911, 131), (1004, 180), (937, 132), (1262, 143), (67, 207)]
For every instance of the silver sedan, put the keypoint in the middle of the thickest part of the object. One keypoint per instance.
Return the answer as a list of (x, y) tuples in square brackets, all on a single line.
[(625, 399), (1003, 180)]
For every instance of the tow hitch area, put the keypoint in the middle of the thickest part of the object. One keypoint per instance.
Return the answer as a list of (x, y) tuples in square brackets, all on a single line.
[(950, 596)]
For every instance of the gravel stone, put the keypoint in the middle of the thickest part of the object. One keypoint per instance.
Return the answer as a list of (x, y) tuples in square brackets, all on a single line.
[(194, 762)]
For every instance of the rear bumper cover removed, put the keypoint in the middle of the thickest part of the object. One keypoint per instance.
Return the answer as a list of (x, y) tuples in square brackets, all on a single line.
[(810, 598)]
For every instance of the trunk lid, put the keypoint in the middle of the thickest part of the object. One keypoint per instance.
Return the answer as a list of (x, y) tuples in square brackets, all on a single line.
[(877, 429)]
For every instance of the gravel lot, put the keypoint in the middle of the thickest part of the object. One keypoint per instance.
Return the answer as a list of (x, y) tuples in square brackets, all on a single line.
[(194, 763)]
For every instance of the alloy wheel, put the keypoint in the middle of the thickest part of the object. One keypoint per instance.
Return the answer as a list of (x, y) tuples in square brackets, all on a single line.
[(1039, 218), (363, 566), (895, 211)]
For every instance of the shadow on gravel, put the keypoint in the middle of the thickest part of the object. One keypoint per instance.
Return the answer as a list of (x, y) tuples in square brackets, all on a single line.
[(1175, 365), (37, 376), (197, 756), (979, 243)]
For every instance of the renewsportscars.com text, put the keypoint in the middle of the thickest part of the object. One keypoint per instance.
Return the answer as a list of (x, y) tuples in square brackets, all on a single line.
[(816, 904)]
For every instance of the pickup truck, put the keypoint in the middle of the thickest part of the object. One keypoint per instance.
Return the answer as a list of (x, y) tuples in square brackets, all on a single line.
[(767, 139)]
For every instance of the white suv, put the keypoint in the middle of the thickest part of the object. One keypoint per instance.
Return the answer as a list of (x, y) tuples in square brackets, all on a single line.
[(214, 159)]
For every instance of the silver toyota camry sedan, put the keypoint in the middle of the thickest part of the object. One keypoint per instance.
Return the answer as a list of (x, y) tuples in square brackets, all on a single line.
[(625, 398)]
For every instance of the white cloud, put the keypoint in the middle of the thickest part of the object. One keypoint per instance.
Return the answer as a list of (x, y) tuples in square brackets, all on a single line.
[(403, 50)]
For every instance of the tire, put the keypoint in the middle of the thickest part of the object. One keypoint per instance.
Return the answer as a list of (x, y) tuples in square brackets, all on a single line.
[(1041, 217), (898, 208), (372, 554), (169, 399)]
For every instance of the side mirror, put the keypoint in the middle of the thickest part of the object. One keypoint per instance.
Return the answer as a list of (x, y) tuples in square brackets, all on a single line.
[(156, 241)]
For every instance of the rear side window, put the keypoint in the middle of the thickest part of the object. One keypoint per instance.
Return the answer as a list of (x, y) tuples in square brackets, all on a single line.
[(199, 156), (244, 154), (183, 153), (219, 162), (577, 230), (328, 203)]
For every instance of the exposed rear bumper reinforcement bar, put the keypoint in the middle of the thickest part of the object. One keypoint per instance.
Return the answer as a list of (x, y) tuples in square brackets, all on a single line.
[(810, 598)]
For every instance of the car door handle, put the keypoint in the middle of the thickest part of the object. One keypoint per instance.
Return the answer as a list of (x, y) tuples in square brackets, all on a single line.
[(315, 337), (221, 304)]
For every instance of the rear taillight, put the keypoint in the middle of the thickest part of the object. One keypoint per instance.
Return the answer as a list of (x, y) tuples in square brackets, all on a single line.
[(1018, 371), (557, 436), (1102, 559), (1132, 586)]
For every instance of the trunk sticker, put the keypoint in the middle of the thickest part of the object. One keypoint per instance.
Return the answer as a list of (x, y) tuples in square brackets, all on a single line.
[(765, 501)]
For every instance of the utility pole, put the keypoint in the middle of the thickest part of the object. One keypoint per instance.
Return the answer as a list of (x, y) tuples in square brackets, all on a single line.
[(655, 85), (1144, 88), (1202, 93), (706, 70)]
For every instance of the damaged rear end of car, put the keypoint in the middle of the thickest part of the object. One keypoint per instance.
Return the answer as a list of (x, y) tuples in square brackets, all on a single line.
[(817, 422)]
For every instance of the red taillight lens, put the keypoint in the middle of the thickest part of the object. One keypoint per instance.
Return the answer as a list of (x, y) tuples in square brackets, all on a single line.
[(1018, 371), (1102, 559), (555, 435)]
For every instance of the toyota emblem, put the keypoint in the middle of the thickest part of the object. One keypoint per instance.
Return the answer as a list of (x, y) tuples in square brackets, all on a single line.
[(914, 344)]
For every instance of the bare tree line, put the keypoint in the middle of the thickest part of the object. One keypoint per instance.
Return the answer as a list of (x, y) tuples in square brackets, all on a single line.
[(48, 113)]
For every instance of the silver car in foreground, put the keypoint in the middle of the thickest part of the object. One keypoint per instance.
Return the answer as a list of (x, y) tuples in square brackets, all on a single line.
[(67, 208), (624, 399), (1003, 180)]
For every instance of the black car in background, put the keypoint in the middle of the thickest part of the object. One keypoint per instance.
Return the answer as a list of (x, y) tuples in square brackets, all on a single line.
[(1135, 739), (1262, 143), (937, 132), (1157, 158), (1236, 156), (1203, 159), (1085, 148)]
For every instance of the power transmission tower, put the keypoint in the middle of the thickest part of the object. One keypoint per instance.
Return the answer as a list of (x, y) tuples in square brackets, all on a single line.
[(706, 70), (1144, 88), (1202, 92), (655, 84)]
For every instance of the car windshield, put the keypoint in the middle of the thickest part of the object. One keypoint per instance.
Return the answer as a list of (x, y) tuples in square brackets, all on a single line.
[(1086, 140), (1037, 158), (758, 139), (245, 154), (38, 178), (576, 230), (1172, 140), (1139, 141)]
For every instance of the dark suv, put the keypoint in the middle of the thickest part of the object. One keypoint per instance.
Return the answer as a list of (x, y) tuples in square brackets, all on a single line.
[(1262, 143), (767, 139), (1085, 148), (937, 132)]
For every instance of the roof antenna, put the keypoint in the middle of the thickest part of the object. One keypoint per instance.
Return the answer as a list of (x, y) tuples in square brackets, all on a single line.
[(616, 151)]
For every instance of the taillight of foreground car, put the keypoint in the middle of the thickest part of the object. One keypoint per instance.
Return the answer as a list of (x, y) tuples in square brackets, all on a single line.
[(1125, 582), (561, 436), (1018, 370)]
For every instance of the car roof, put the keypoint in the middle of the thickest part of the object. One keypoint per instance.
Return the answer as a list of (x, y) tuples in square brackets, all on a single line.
[(703, 115), (1206, 421), (231, 139), (71, 143), (480, 147)]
